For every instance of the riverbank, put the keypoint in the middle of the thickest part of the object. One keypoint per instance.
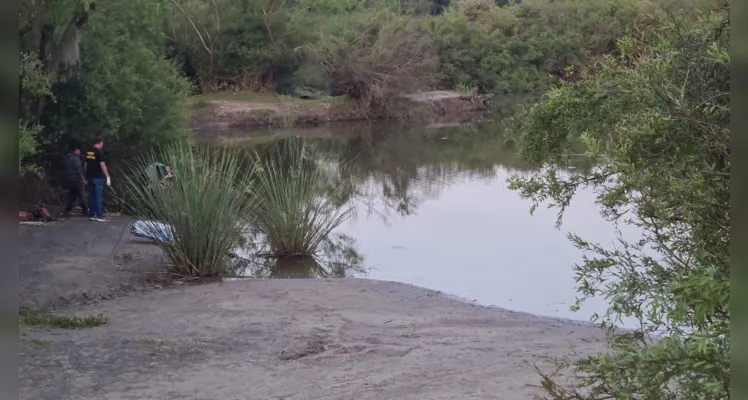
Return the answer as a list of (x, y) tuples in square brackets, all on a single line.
[(236, 110), (273, 339)]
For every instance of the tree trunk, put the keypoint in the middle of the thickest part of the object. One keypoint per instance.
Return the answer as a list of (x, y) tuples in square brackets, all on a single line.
[(52, 53)]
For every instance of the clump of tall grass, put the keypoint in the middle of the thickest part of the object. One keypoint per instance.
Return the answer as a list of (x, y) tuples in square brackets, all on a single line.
[(463, 89), (291, 207), (202, 206)]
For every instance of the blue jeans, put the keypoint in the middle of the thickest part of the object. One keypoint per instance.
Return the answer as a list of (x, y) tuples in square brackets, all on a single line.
[(96, 196)]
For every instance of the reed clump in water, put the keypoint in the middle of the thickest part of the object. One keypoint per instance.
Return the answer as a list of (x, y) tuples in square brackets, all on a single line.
[(291, 206), (202, 206)]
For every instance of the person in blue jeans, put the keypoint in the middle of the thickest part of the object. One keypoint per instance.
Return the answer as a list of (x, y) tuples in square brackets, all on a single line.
[(97, 176)]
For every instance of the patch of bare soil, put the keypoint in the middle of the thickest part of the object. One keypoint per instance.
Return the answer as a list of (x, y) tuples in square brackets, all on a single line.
[(221, 114), (77, 261)]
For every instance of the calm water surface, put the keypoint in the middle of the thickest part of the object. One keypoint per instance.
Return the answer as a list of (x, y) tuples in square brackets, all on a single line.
[(433, 209)]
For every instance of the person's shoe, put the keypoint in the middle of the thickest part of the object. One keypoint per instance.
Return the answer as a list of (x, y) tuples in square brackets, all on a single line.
[(99, 219)]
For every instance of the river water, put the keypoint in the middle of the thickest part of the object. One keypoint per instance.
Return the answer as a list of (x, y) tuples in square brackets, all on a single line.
[(432, 209)]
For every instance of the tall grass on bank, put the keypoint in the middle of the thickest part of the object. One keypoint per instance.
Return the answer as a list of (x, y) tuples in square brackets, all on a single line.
[(204, 204), (290, 207)]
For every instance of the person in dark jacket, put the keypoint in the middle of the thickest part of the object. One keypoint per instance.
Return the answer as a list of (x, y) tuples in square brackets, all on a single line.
[(75, 180)]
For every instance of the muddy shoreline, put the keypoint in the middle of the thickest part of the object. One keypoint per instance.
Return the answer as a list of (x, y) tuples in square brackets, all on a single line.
[(262, 339), (223, 111)]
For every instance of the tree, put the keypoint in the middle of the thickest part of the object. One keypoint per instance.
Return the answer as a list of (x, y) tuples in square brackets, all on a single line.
[(201, 27), (123, 90), (50, 30), (657, 121)]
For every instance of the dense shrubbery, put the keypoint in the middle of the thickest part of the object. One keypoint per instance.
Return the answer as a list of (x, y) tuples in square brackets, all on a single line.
[(514, 47), (523, 47), (123, 89), (374, 57), (115, 84), (657, 118)]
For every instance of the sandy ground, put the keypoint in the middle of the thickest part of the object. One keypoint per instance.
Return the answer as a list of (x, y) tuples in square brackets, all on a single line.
[(282, 339)]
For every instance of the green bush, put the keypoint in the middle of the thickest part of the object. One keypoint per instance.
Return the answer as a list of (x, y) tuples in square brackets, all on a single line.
[(205, 204), (657, 121), (36, 84), (27, 148)]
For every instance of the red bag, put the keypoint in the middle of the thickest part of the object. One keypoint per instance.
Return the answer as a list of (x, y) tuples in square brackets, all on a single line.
[(40, 214)]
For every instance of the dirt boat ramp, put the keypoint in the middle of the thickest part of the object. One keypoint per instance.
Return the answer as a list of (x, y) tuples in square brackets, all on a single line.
[(264, 339)]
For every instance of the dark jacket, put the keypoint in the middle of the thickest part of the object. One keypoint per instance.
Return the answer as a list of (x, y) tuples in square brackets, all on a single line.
[(73, 168)]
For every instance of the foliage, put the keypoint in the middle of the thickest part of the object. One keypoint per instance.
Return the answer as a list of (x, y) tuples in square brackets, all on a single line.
[(203, 204), (375, 57), (34, 81), (241, 45), (657, 120), (124, 90), (32, 76), (230, 44), (505, 46), (290, 209), (474, 9), (94, 69), (519, 47), (27, 137)]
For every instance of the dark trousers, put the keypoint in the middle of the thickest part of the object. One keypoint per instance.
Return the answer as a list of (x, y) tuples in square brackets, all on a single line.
[(76, 192)]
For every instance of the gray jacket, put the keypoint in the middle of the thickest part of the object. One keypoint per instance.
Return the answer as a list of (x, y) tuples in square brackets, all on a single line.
[(73, 168)]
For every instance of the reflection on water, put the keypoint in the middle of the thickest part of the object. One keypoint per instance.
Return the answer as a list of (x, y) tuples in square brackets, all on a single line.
[(434, 210), (336, 258), (290, 268)]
